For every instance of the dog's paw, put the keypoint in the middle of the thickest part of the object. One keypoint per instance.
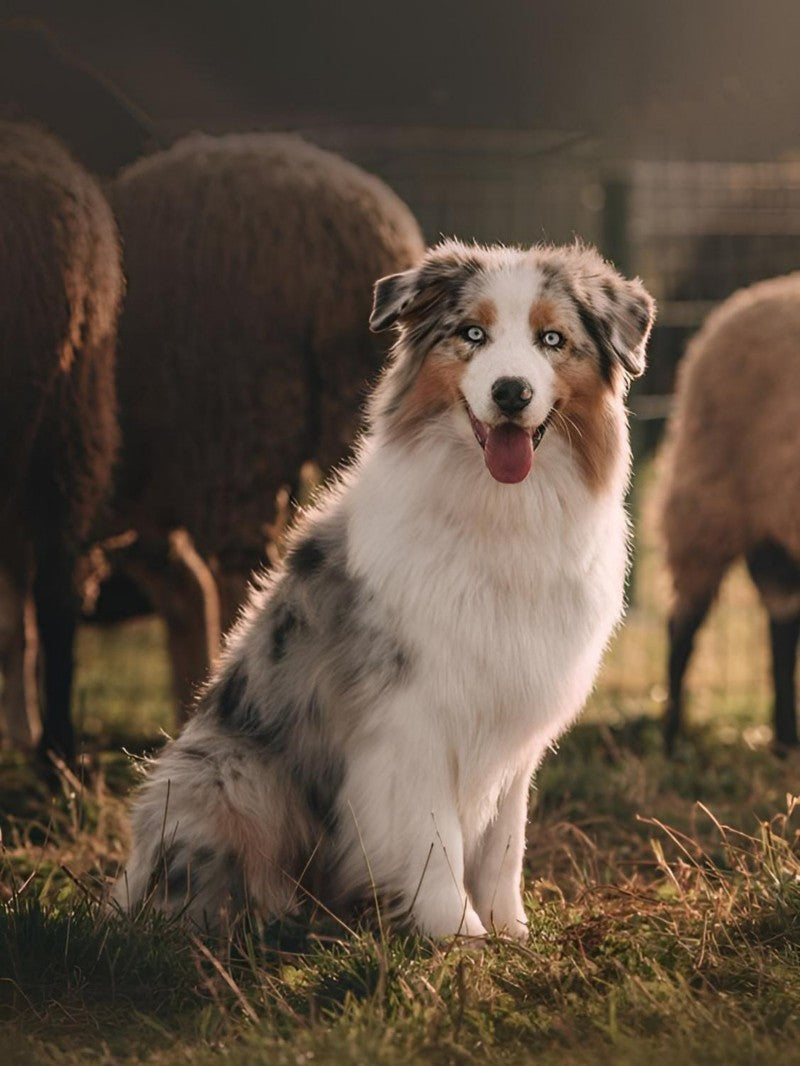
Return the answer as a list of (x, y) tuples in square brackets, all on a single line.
[(442, 923), (515, 930), (507, 918)]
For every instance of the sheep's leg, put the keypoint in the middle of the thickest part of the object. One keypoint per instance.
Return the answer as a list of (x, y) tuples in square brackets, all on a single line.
[(18, 653), (683, 626), (184, 555), (56, 619), (183, 591), (696, 576), (784, 635), (192, 616), (776, 574)]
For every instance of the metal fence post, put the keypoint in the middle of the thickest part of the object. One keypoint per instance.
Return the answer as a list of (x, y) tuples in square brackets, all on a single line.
[(616, 218)]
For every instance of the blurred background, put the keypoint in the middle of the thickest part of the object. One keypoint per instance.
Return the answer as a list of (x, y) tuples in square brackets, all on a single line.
[(666, 133)]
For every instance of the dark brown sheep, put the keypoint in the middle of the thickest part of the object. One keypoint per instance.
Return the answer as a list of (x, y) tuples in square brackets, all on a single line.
[(244, 352), (733, 479), (59, 300)]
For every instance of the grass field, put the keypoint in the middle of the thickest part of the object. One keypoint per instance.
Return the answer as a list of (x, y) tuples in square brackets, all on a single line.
[(664, 897)]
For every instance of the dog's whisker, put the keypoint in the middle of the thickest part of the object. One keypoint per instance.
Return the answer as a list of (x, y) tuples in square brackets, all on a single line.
[(569, 423)]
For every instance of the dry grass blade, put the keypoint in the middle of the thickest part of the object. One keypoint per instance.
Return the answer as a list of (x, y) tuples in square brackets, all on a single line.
[(226, 977)]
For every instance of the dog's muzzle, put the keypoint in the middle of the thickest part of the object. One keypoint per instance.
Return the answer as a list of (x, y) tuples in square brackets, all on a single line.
[(507, 448)]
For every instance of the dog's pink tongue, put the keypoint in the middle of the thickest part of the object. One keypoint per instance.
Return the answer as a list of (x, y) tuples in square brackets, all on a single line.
[(508, 453)]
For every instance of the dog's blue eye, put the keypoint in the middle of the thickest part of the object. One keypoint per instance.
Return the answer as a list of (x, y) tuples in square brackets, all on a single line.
[(473, 334), (552, 339)]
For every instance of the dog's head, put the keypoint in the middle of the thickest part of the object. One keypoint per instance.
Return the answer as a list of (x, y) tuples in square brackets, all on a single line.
[(506, 343)]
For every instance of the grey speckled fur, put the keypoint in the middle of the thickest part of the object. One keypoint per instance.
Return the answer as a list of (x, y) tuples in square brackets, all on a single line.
[(311, 654)]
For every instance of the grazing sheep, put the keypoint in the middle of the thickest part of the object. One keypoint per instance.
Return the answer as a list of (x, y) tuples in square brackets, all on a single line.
[(244, 352), (733, 487), (59, 299)]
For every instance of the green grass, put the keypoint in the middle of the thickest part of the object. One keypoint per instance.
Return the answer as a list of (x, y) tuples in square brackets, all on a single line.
[(656, 931), (664, 897), (123, 687)]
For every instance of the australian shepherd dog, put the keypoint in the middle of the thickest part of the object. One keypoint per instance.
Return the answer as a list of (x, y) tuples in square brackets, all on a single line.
[(379, 710)]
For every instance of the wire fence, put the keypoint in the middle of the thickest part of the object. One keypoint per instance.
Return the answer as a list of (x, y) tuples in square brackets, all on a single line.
[(696, 232), (487, 185)]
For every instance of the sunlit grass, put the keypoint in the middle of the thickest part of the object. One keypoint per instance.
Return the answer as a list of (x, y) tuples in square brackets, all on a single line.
[(123, 685), (650, 941)]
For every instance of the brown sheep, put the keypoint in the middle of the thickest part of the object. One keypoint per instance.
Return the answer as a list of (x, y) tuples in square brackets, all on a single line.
[(59, 300), (244, 352), (733, 486)]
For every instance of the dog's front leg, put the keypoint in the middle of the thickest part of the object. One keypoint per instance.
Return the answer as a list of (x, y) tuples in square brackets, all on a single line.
[(440, 905), (494, 869), (406, 838)]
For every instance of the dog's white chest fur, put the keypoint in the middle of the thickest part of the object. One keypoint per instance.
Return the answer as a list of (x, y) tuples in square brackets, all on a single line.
[(505, 594)]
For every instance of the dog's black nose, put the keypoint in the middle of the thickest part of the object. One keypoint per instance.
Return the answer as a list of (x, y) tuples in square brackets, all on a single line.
[(512, 395)]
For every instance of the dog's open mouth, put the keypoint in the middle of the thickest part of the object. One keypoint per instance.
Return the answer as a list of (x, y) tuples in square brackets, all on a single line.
[(507, 448)]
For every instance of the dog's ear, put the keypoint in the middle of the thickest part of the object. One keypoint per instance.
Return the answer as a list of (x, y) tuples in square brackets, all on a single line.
[(632, 316), (421, 296), (392, 295), (618, 315)]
